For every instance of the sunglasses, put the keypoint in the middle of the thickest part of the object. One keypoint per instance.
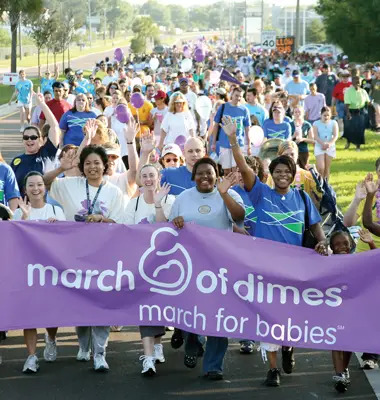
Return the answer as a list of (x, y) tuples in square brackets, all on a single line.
[(33, 137), (168, 160), (113, 87)]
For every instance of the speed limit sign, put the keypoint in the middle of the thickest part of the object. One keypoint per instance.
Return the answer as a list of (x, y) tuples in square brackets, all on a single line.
[(268, 39)]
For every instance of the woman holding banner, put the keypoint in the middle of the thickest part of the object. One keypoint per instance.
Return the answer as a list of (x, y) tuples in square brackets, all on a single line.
[(88, 198), (34, 207), (281, 214), (210, 203), (152, 206)]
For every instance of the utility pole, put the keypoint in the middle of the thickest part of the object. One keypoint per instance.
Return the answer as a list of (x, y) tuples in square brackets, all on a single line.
[(297, 45), (304, 27), (19, 37), (105, 23), (245, 26), (262, 15), (89, 21)]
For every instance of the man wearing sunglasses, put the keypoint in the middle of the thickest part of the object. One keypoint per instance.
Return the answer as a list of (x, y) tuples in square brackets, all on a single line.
[(58, 105)]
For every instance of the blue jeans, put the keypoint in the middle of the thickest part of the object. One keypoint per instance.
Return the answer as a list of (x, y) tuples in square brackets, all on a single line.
[(216, 348)]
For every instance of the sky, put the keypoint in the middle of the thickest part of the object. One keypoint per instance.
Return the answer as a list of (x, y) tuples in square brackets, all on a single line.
[(190, 3)]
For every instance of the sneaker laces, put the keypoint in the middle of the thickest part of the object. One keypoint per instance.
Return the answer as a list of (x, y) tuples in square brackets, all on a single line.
[(146, 360), (339, 378)]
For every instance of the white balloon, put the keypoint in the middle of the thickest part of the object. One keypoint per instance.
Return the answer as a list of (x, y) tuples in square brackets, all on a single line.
[(186, 65), (203, 106), (136, 82), (154, 63)]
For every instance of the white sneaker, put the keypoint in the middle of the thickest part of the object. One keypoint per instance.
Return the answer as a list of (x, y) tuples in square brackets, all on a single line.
[(148, 365), (83, 355), (31, 365), (50, 352), (159, 353), (100, 363), (22, 127)]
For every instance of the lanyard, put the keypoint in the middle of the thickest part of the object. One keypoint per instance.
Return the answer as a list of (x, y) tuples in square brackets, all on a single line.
[(91, 206)]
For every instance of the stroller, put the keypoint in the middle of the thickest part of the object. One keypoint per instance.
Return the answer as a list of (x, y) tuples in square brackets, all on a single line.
[(332, 217)]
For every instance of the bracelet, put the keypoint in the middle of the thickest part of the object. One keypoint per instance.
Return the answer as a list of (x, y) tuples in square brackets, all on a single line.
[(157, 207), (129, 142), (234, 145)]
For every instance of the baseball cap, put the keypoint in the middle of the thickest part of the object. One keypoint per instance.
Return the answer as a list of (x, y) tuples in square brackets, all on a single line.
[(277, 76), (112, 149), (160, 95), (182, 80), (296, 72), (221, 91), (79, 72), (171, 148), (345, 72)]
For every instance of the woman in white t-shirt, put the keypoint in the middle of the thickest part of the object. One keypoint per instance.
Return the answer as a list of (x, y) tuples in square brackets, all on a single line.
[(177, 122), (88, 198), (32, 208), (157, 114), (153, 205)]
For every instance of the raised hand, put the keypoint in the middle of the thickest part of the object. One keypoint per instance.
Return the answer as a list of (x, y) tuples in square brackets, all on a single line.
[(229, 126), (361, 191), (147, 143), (90, 129), (26, 208), (68, 160), (365, 236), (130, 130), (38, 98), (370, 185), (224, 184), (158, 196)]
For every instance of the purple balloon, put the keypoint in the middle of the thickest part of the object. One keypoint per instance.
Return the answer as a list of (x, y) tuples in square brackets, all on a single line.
[(137, 100), (122, 113), (199, 57), (185, 47), (118, 54), (187, 53), (180, 141)]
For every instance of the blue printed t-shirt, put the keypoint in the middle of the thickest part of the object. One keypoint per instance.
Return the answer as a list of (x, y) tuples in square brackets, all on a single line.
[(8, 184), (73, 124), (281, 217), (24, 91), (179, 179), (306, 126), (250, 217), (277, 131), (259, 112), (301, 87), (240, 114), (25, 163), (47, 85), (90, 88)]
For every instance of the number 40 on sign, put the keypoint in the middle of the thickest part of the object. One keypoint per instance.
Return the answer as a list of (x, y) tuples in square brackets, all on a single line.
[(268, 39)]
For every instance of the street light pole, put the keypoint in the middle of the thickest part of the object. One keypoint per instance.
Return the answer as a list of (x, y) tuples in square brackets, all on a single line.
[(89, 21), (245, 27), (297, 27)]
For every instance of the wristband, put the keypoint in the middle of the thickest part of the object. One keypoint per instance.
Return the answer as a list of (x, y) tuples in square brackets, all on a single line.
[(234, 145), (158, 207), (129, 142)]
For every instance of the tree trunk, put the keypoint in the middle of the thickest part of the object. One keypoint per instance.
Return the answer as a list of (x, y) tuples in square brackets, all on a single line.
[(47, 57), (63, 59), (39, 62), (68, 56), (13, 19), (55, 60)]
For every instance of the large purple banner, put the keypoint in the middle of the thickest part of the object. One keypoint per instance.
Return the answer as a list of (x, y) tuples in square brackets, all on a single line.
[(198, 279)]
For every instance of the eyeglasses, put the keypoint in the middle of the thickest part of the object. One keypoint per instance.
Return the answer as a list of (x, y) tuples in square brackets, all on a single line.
[(33, 137), (168, 160), (113, 87)]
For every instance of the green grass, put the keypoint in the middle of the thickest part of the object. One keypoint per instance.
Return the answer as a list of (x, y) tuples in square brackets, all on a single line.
[(350, 166), (98, 46), (7, 91)]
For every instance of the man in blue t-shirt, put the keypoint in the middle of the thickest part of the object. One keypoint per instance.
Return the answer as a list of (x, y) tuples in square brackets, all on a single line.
[(254, 107), (240, 114), (277, 127), (9, 192), (23, 92), (297, 89), (179, 179)]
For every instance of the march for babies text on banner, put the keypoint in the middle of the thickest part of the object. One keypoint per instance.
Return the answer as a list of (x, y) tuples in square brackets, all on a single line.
[(198, 279)]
